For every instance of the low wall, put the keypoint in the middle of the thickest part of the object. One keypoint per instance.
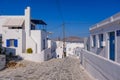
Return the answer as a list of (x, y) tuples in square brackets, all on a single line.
[(99, 67), (2, 61), (37, 57)]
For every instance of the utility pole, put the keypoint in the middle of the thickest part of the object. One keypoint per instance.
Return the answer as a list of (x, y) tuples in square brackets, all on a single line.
[(63, 28), (64, 46)]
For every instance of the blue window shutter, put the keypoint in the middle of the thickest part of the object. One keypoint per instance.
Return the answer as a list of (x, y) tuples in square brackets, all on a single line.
[(8, 43), (16, 43)]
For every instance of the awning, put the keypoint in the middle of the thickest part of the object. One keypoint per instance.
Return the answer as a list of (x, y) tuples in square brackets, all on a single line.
[(35, 21), (14, 22)]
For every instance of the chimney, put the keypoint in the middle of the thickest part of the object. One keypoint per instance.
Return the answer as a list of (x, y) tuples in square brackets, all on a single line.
[(27, 21)]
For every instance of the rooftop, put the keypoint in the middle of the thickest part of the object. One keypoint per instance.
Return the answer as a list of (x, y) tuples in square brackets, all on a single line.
[(106, 21), (74, 39), (17, 21), (36, 21)]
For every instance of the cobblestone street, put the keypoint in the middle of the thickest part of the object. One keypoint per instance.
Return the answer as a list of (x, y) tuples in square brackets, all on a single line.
[(55, 69)]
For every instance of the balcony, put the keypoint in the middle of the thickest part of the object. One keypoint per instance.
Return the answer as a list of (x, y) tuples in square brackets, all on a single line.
[(38, 25)]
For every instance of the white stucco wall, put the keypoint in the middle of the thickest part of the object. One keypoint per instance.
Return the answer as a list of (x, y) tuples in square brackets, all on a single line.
[(30, 43), (2, 21), (37, 57), (71, 47), (100, 67), (33, 57), (111, 24), (44, 37), (12, 34), (59, 48), (52, 45), (38, 36), (49, 43)]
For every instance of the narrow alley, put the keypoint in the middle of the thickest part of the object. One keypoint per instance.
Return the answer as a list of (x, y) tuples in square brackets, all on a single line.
[(56, 69)]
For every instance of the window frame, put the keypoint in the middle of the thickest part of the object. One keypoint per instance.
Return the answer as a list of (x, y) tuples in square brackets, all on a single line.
[(93, 40), (11, 43), (101, 39), (44, 44)]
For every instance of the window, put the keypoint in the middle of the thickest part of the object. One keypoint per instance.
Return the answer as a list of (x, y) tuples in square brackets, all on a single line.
[(100, 40), (44, 44), (93, 41), (12, 42), (15, 27)]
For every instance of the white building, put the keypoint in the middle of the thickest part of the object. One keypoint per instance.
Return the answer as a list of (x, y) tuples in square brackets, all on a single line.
[(59, 49), (72, 48), (105, 37), (20, 33), (0, 43), (52, 46)]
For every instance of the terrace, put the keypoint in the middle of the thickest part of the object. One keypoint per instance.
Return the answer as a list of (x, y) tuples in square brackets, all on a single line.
[(38, 25)]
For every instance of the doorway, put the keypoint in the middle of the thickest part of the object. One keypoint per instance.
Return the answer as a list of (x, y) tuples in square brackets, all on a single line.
[(112, 46)]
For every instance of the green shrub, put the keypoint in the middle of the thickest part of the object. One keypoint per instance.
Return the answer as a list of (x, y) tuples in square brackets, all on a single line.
[(29, 50)]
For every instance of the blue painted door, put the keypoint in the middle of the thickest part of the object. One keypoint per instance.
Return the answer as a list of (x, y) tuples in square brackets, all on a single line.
[(112, 46)]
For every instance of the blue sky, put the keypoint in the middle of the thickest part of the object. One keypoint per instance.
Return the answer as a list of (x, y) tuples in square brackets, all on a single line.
[(78, 15)]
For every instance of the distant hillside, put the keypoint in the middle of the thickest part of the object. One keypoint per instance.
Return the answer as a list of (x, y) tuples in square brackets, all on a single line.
[(74, 39), (71, 39)]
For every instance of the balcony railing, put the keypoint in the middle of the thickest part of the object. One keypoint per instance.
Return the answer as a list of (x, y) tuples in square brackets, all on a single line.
[(38, 28)]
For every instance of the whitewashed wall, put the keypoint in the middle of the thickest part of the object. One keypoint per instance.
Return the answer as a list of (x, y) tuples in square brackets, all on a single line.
[(33, 57), (111, 24), (44, 37), (71, 47), (2, 20), (52, 46), (37, 57), (104, 30), (59, 48), (12, 34), (36, 36), (99, 67)]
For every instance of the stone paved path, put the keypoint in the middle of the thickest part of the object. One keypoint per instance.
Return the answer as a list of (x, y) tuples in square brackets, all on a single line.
[(55, 69)]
